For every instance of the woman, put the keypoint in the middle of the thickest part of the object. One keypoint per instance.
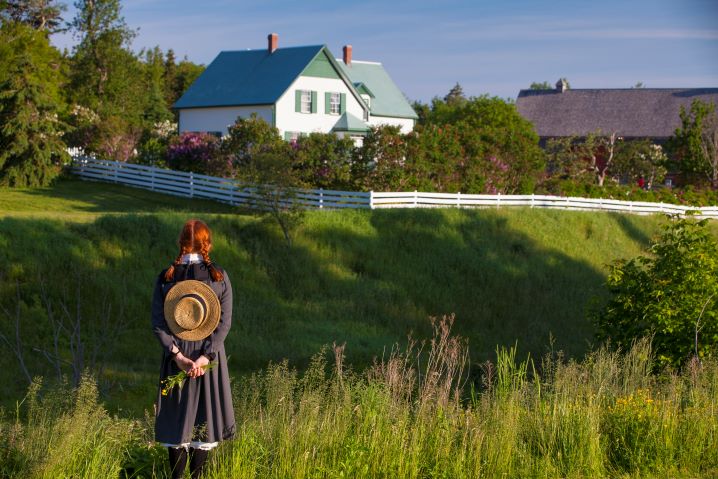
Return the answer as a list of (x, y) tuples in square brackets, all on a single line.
[(191, 316)]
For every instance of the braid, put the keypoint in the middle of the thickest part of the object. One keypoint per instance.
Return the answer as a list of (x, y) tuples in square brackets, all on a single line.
[(170, 273), (213, 271)]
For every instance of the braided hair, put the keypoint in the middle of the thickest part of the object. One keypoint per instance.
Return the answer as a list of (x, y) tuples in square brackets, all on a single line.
[(195, 237)]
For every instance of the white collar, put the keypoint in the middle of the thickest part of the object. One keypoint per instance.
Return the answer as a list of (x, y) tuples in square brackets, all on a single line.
[(190, 258)]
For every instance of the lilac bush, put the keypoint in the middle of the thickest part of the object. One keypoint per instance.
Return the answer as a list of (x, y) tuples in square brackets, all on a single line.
[(199, 153)]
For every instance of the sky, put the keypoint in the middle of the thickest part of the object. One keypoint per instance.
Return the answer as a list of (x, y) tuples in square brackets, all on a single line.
[(489, 47)]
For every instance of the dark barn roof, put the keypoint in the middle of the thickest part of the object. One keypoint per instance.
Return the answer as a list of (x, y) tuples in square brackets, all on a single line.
[(631, 112)]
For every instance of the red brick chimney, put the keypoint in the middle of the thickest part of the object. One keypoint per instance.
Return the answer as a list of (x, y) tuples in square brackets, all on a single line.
[(272, 42), (347, 54)]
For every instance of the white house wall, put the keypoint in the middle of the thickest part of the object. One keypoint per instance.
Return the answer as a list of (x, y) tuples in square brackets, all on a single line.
[(406, 124), (219, 118), (292, 121)]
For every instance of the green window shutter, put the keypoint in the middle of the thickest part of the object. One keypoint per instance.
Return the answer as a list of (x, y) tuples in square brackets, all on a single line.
[(314, 102), (287, 135), (327, 102), (297, 100), (342, 103)]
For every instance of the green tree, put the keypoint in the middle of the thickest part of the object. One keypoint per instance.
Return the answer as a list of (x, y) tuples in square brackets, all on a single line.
[(106, 81), (641, 159), (670, 294), (31, 144), (247, 138), (695, 142), (436, 159), (44, 15), (599, 156), (271, 174), (379, 163), (323, 160), (455, 95), (540, 86), (499, 144), (156, 110), (179, 77)]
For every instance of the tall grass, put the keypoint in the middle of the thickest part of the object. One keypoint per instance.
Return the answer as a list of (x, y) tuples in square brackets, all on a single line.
[(606, 416), (410, 415), (367, 278)]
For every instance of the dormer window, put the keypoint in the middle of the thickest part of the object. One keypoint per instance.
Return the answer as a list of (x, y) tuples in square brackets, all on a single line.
[(367, 99)]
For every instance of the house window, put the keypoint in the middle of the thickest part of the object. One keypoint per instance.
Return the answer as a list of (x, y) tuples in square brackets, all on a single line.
[(335, 105), (367, 99), (306, 99)]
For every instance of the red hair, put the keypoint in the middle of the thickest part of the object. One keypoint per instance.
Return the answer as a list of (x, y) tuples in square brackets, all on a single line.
[(195, 237)]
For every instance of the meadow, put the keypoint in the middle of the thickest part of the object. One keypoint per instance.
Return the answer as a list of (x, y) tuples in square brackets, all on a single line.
[(410, 415), (518, 283)]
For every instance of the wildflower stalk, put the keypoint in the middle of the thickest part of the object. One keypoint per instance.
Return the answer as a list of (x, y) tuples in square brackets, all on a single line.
[(178, 379)]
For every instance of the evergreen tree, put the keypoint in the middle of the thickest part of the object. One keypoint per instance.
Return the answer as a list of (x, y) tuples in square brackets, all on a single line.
[(31, 141), (170, 77), (156, 110), (455, 96)]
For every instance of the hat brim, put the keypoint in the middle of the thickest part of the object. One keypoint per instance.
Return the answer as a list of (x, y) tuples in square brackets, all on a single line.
[(211, 320)]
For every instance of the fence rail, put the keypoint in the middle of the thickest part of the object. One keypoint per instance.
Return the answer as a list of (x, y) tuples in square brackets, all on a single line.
[(194, 185)]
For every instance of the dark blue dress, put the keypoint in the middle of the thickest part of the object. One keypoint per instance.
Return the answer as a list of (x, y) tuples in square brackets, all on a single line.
[(202, 409)]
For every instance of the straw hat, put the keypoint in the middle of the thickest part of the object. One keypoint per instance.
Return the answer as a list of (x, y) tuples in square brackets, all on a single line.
[(192, 310)]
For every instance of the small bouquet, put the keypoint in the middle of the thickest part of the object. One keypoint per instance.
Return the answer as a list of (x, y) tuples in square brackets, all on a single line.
[(178, 379)]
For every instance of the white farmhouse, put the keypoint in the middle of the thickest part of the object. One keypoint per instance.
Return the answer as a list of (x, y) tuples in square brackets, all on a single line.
[(299, 90)]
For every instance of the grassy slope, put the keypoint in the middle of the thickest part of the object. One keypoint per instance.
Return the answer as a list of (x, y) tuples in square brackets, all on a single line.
[(365, 277)]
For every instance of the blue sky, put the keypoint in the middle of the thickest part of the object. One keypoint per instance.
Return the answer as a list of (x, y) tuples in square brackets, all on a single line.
[(495, 47)]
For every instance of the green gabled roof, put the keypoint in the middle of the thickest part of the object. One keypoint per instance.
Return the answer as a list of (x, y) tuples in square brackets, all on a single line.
[(248, 77), (349, 123), (388, 100)]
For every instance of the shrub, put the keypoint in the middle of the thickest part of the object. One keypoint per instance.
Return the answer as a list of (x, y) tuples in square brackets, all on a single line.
[(247, 138), (379, 163), (671, 294), (323, 160), (197, 152)]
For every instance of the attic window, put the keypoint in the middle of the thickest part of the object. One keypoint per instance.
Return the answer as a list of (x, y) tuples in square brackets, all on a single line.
[(306, 101)]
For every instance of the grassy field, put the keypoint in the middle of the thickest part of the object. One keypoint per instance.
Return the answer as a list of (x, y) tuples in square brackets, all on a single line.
[(367, 278), (606, 416)]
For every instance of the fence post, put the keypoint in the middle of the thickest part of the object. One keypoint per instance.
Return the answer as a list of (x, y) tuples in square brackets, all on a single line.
[(115, 169), (498, 200), (152, 178), (321, 198), (371, 199), (458, 199), (415, 198), (191, 184), (532, 200)]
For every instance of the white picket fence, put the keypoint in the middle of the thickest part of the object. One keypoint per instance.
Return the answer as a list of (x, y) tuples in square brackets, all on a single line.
[(193, 185)]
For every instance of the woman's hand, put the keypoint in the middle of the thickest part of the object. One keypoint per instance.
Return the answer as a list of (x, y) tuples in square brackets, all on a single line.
[(184, 363), (198, 369)]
